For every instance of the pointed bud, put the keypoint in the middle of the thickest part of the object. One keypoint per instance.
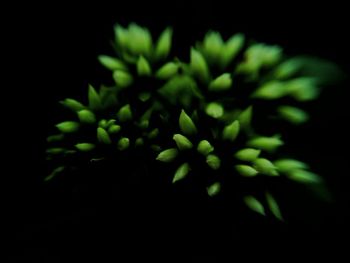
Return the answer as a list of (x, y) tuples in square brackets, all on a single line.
[(103, 124), (214, 189), (94, 99), (125, 114), (87, 116), (214, 110), (123, 144), (247, 154), (271, 90), (102, 136), (112, 63), (182, 142), (55, 150), (292, 114), (85, 147), (167, 70), (232, 47), (288, 68), (199, 66), (122, 78), (265, 143), (287, 165), (245, 117), (221, 83), (303, 88), (56, 171), (143, 67), (68, 126), (181, 172), (144, 124), (153, 134), (254, 204), (167, 155), (144, 96), (273, 206), (114, 128), (213, 161), (186, 124), (246, 170), (139, 142), (163, 45), (303, 176), (73, 105), (121, 36), (231, 131), (266, 167), (140, 40), (204, 147), (55, 138), (213, 45), (156, 148)]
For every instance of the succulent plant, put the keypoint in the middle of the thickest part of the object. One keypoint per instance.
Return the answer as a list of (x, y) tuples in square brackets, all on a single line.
[(213, 120)]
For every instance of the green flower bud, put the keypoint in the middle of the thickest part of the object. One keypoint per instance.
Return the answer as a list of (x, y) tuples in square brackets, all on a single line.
[(122, 78), (125, 114), (273, 206), (213, 161), (114, 128), (139, 142), (144, 124), (213, 45), (246, 170), (186, 124), (214, 189), (182, 142), (55, 150), (85, 147), (167, 70), (153, 134), (112, 63), (204, 147), (254, 204), (293, 114), (266, 167), (144, 96), (156, 148), (181, 172), (94, 99), (271, 90), (121, 36), (199, 66), (123, 144), (73, 105), (231, 131), (140, 40), (232, 47), (223, 82), (163, 45), (265, 143), (303, 176), (247, 154), (87, 116), (287, 69), (245, 117), (55, 138), (103, 124), (68, 126), (143, 67), (287, 165), (102, 136), (56, 171), (167, 155), (303, 88), (214, 110)]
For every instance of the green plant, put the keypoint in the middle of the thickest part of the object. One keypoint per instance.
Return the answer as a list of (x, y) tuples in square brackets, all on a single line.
[(212, 121)]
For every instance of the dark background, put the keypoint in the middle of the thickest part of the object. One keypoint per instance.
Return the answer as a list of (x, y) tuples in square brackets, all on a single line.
[(53, 53)]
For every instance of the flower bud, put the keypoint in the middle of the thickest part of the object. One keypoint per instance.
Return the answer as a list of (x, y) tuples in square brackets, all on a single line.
[(123, 144), (85, 147), (287, 165), (167, 155), (293, 114), (102, 136), (223, 82), (181, 172), (246, 170), (113, 129), (254, 204), (143, 67), (112, 63), (68, 126), (186, 124), (266, 167), (182, 142), (87, 116), (204, 147), (303, 176), (167, 70), (125, 114), (214, 189), (163, 45), (231, 131), (214, 110), (72, 104), (199, 66), (213, 161), (247, 154), (94, 99), (122, 78), (265, 143)]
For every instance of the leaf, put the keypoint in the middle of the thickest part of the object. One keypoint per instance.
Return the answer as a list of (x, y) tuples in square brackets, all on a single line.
[(122, 78), (102, 136), (214, 110), (167, 155), (72, 104), (247, 154), (265, 166), (271, 90), (85, 147), (199, 66), (182, 142), (181, 172), (54, 173), (231, 131), (246, 170), (125, 114), (167, 71), (303, 176), (163, 45), (214, 189), (186, 124), (268, 144), (231, 49), (254, 204), (94, 99), (112, 63), (143, 67), (223, 82), (287, 165), (245, 117), (273, 206), (204, 147), (213, 46), (292, 114), (213, 161), (68, 126), (87, 116)]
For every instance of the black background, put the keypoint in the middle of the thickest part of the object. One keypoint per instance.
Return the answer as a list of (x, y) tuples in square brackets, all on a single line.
[(53, 53)]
